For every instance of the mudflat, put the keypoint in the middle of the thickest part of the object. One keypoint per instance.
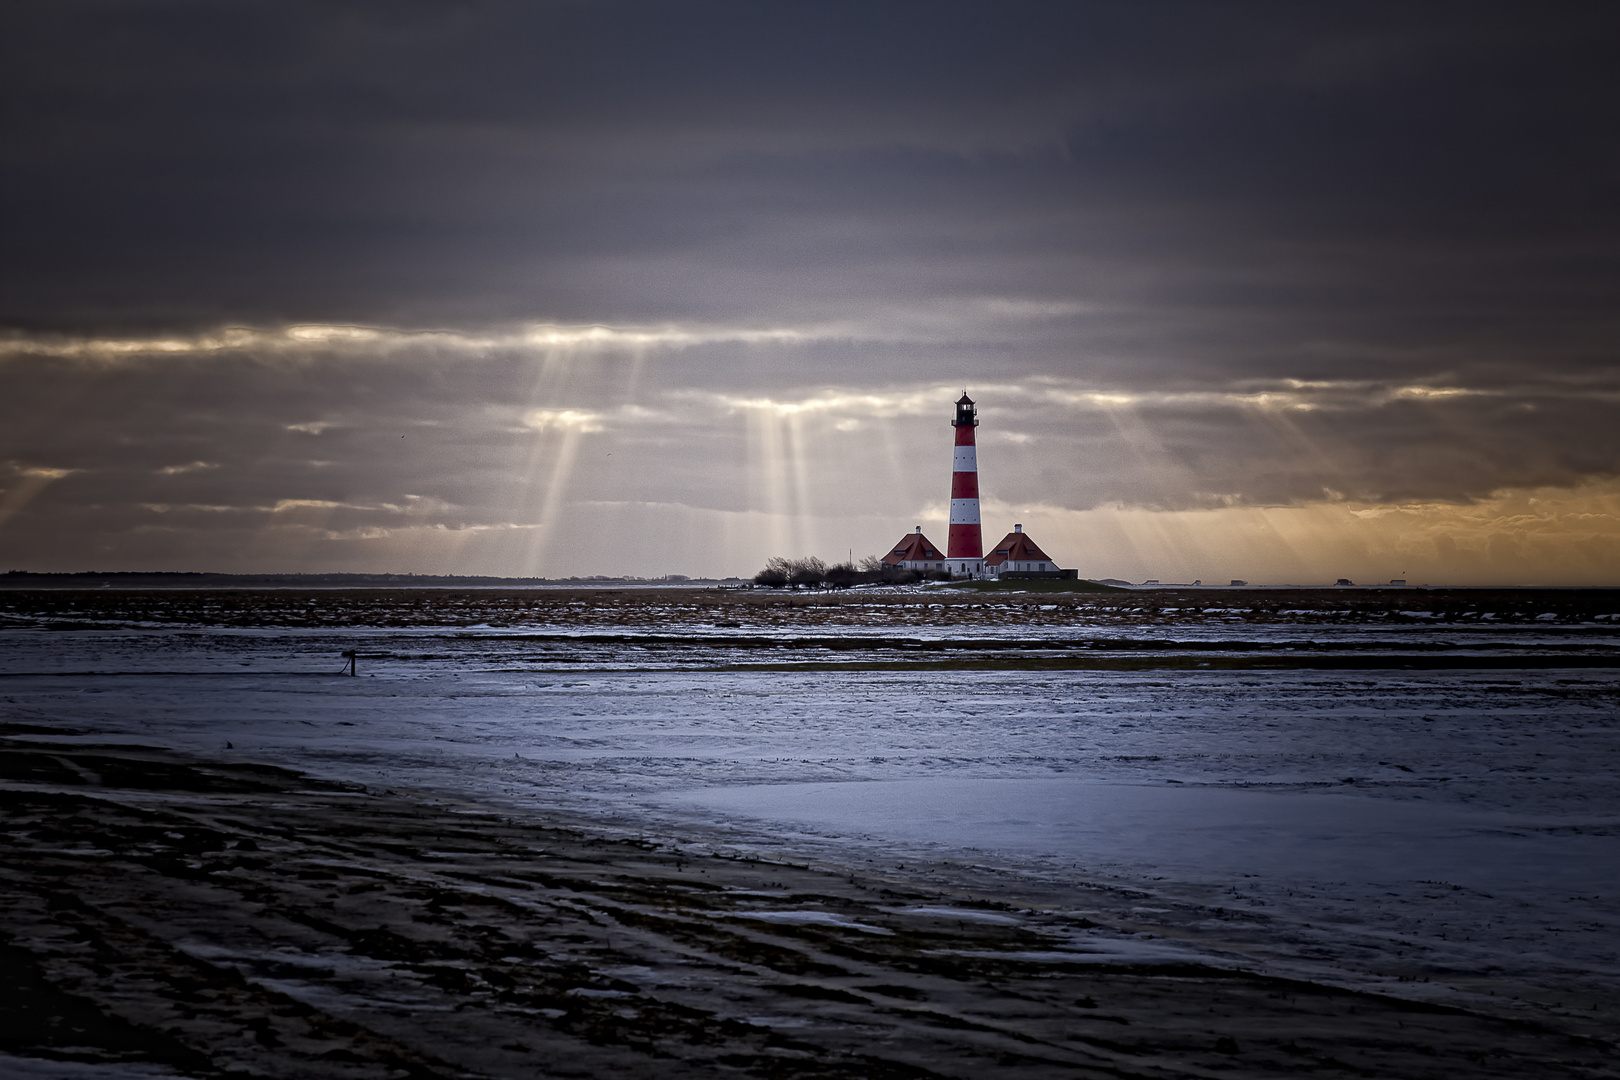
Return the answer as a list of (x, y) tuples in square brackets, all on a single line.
[(905, 832), (170, 914)]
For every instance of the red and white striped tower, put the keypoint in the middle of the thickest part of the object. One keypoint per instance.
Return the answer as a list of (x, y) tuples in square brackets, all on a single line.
[(964, 548)]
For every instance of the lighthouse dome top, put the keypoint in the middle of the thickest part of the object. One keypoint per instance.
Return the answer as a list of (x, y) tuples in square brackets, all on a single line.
[(964, 399)]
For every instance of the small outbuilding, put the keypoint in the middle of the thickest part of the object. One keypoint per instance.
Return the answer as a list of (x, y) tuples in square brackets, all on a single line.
[(916, 552), (1018, 556)]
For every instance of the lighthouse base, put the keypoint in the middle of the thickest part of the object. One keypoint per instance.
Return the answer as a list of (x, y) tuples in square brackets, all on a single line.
[(965, 568)]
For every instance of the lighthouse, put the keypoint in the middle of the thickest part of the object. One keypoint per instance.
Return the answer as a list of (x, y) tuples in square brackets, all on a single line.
[(964, 547)]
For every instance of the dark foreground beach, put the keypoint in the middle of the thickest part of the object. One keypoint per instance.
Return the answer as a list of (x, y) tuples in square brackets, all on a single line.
[(171, 915)]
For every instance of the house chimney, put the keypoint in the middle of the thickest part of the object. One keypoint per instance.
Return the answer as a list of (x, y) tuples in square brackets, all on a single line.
[(919, 530), (1018, 528)]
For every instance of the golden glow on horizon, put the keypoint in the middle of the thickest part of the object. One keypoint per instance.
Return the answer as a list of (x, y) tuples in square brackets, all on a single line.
[(1542, 536), (1524, 536)]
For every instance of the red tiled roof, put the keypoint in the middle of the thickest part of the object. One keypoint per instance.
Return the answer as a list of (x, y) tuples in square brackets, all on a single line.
[(1016, 547), (913, 547)]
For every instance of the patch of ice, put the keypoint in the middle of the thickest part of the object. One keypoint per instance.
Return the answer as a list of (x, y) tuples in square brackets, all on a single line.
[(815, 918), (956, 913), (588, 992), (1124, 952), (776, 1021)]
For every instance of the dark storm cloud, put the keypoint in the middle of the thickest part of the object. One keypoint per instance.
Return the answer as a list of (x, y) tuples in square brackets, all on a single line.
[(1370, 174), (1181, 208)]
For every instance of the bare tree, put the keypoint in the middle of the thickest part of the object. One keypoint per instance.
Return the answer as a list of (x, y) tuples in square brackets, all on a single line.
[(810, 571), (842, 575), (807, 571), (776, 573), (793, 572)]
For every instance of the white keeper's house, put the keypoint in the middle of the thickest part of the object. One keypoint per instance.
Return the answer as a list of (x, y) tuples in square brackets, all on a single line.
[(1018, 554), (916, 552)]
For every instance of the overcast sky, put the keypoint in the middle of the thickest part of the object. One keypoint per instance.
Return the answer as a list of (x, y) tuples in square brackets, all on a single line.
[(1285, 292)]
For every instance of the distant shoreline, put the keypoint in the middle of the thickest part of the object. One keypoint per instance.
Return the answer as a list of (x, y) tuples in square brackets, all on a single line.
[(179, 580)]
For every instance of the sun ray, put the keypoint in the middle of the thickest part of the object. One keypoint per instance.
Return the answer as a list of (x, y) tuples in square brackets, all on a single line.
[(541, 537)]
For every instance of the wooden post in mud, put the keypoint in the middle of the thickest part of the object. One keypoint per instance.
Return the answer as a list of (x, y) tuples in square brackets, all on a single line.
[(354, 660)]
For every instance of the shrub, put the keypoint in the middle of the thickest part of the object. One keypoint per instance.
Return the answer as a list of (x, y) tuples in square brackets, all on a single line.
[(770, 578), (843, 575), (779, 572), (807, 571), (810, 572)]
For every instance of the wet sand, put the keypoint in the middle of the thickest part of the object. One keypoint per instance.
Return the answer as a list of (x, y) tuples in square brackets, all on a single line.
[(230, 918)]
